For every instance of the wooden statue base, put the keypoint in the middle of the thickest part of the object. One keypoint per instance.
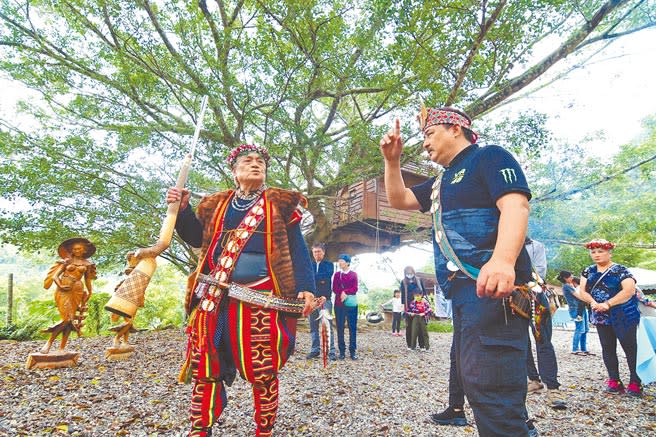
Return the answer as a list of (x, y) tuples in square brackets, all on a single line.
[(119, 353), (53, 360)]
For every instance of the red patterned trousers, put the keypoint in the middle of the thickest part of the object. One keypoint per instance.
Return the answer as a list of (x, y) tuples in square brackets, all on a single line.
[(261, 341)]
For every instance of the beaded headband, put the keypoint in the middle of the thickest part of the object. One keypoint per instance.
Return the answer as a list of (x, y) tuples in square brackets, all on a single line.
[(245, 149), (431, 116), (600, 244)]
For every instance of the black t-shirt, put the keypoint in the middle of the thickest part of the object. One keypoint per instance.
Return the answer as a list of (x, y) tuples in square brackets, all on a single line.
[(476, 178)]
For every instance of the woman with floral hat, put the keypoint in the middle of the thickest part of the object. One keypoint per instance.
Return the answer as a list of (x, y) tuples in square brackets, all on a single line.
[(610, 290)]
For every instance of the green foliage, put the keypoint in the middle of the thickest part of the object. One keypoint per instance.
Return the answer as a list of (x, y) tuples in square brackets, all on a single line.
[(440, 326), (524, 135), (97, 321), (29, 330), (35, 309), (314, 81), (619, 209), (377, 297), (34, 316)]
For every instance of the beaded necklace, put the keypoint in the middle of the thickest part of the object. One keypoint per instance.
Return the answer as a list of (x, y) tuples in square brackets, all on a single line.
[(250, 198)]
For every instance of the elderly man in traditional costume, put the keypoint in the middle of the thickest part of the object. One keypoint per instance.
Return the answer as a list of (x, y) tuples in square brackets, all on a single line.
[(479, 205), (253, 280)]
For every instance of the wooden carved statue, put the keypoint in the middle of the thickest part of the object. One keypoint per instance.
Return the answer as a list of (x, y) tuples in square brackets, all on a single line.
[(121, 348), (72, 276)]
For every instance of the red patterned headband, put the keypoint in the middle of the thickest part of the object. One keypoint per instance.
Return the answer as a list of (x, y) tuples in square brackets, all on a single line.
[(599, 244), (431, 116), (245, 149)]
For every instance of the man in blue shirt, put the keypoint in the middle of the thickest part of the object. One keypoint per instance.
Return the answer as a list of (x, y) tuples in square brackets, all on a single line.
[(323, 274), (480, 211)]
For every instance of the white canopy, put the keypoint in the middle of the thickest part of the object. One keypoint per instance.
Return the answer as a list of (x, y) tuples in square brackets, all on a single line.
[(645, 279)]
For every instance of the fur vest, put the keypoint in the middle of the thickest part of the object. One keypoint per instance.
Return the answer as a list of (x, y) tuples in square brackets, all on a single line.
[(280, 212)]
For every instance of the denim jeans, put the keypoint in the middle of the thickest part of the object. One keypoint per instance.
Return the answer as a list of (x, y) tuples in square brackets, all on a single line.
[(579, 341), (315, 329), (545, 352), (456, 394), (350, 316)]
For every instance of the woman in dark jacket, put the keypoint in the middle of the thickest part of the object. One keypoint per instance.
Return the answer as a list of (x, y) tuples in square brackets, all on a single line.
[(610, 289)]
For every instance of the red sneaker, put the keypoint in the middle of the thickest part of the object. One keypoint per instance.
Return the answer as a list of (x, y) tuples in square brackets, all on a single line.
[(614, 386), (634, 389)]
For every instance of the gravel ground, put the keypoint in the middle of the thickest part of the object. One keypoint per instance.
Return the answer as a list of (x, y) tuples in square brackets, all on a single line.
[(368, 397)]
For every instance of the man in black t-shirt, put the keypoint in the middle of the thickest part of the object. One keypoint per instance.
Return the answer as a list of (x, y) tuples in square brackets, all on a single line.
[(480, 214)]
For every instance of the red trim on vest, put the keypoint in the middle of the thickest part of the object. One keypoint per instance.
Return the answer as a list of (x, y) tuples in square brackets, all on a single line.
[(296, 217)]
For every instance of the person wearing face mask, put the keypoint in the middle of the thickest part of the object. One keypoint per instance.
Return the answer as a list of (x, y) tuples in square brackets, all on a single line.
[(409, 284)]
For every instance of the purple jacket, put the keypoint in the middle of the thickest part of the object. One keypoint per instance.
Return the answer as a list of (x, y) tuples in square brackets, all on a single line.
[(344, 283)]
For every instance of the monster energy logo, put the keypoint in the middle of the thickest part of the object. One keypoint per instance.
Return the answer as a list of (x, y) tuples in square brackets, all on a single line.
[(509, 175), (458, 176)]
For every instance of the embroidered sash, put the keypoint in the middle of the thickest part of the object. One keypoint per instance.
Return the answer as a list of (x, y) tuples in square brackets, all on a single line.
[(211, 293), (204, 320), (523, 299), (440, 234)]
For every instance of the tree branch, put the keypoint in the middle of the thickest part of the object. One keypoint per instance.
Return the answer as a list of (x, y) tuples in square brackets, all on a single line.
[(619, 244), (462, 73), (607, 36), (570, 45), (600, 181)]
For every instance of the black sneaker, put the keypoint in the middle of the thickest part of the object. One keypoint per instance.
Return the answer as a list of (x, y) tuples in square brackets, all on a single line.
[(450, 416), (312, 355), (354, 356), (342, 356), (532, 431)]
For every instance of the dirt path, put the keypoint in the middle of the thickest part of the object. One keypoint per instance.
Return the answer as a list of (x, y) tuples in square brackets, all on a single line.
[(370, 396)]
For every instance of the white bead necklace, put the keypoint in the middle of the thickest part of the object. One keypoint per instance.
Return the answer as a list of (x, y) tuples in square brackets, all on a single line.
[(252, 197)]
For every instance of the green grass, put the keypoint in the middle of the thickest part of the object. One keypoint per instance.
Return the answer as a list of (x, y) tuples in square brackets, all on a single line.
[(440, 326)]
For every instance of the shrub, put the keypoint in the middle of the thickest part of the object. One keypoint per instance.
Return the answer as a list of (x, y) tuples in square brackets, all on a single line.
[(28, 330), (440, 326)]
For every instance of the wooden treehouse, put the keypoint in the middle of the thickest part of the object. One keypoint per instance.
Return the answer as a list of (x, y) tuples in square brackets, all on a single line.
[(363, 221)]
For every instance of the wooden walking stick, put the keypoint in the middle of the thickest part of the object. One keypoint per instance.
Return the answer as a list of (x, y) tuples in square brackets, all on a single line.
[(130, 294)]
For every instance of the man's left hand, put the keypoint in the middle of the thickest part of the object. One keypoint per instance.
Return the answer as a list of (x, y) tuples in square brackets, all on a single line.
[(496, 279)]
